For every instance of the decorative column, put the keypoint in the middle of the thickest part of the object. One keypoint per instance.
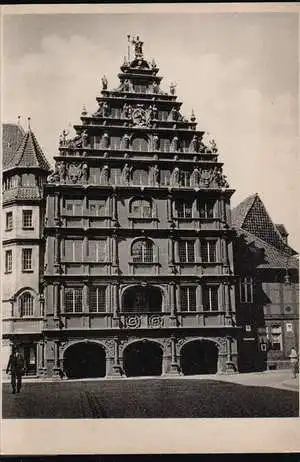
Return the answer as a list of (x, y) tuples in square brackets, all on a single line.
[(174, 367), (57, 208), (226, 296), (56, 367), (56, 300), (57, 252), (115, 256), (170, 210), (115, 304), (114, 204), (116, 370)]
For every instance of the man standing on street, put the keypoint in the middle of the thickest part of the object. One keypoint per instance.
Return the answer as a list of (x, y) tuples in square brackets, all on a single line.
[(16, 367), (294, 362)]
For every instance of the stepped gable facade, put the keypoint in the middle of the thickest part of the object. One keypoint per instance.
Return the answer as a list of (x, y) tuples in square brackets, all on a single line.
[(267, 294), (138, 275), (24, 172)]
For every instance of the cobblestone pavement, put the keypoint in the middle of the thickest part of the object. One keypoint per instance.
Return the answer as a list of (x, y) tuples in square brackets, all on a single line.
[(271, 394)]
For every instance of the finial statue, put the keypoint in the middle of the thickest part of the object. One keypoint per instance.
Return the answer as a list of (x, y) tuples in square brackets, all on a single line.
[(104, 82), (173, 88), (138, 47)]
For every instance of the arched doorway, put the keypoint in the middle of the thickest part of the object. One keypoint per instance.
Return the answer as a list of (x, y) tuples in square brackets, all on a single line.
[(85, 359), (138, 299), (199, 357), (143, 358)]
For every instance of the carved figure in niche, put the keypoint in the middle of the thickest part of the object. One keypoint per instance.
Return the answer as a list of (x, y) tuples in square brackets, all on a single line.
[(138, 47), (74, 173), (173, 115), (156, 175), (155, 142), (220, 179), (126, 85), (104, 82), (105, 174), (174, 144), (195, 179), (126, 139), (206, 177), (124, 113), (194, 144), (105, 109), (61, 171), (155, 87), (105, 140), (126, 173), (176, 176), (77, 141), (85, 139), (155, 112), (129, 111), (85, 172), (173, 88)]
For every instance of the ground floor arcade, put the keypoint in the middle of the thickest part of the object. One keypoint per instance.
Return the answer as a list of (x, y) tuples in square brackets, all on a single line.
[(132, 356)]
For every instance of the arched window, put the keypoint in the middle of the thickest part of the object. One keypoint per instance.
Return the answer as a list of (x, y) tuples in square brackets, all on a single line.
[(26, 304), (141, 208), (139, 144), (142, 251)]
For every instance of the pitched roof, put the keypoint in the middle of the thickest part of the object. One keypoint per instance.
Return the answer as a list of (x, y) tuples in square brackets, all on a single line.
[(28, 153), (273, 258), (12, 135), (251, 215)]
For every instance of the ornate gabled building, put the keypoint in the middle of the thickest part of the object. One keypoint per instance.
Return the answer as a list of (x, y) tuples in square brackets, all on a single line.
[(139, 262), (267, 303), (24, 171)]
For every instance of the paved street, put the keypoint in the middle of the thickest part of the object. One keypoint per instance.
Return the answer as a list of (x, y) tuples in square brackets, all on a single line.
[(271, 394)]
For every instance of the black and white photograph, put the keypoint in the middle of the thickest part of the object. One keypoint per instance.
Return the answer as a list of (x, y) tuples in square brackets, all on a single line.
[(150, 220)]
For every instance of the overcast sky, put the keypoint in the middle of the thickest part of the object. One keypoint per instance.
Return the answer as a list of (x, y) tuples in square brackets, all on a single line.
[(239, 72)]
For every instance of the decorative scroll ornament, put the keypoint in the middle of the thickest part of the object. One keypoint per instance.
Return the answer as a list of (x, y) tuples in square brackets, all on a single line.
[(209, 144), (132, 321), (77, 172), (140, 117), (156, 321)]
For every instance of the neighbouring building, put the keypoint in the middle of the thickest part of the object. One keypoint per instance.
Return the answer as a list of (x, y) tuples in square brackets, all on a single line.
[(126, 261), (24, 171), (267, 291)]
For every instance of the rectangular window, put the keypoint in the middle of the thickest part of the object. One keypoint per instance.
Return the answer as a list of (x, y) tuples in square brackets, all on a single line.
[(165, 176), (206, 209), (73, 250), (184, 209), (208, 251), (140, 177), (246, 290), (97, 250), (276, 338), (115, 176), (98, 299), (73, 300), (8, 261), (115, 142), (186, 251), (9, 221), (26, 259), (97, 208), (73, 207), (27, 218), (164, 145), (210, 298), (185, 178), (188, 298)]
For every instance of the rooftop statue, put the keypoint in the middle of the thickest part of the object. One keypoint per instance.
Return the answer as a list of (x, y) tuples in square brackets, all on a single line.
[(138, 47), (104, 82)]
